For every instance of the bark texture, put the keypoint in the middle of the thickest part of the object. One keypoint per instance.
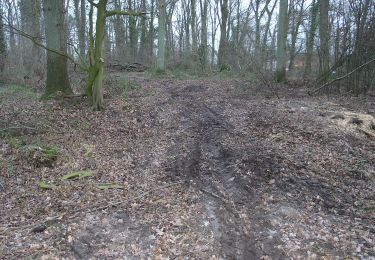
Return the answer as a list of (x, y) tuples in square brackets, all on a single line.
[(57, 69)]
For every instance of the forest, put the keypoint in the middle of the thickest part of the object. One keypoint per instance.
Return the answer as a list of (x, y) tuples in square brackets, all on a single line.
[(187, 129)]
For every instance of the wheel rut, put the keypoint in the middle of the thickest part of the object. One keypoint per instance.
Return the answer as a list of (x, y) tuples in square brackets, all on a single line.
[(204, 159)]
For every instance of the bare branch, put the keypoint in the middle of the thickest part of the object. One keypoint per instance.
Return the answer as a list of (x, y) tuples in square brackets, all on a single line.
[(341, 78), (129, 13), (35, 39), (93, 3)]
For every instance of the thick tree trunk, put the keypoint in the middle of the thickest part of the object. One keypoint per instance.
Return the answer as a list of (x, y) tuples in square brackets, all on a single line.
[(324, 35), (57, 69), (30, 22), (281, 41), (222, 55), (161, 35)]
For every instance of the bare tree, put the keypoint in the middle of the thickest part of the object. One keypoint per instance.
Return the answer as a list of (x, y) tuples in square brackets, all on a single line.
[(281, 41)]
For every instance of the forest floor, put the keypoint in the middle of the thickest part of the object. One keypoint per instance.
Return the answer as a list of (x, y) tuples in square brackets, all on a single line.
[(198, 169)]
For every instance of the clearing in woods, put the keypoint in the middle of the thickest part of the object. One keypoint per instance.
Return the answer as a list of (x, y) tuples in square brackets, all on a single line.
[(203, 169)]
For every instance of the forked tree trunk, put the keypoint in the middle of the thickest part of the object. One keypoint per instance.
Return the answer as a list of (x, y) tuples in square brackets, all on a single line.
[(94, 87), (94, 84)]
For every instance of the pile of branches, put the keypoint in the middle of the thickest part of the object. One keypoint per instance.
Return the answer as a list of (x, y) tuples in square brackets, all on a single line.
[(130, 67)]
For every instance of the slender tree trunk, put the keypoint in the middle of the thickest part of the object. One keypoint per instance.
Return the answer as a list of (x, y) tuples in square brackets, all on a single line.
[(193, 25), (310, 38), (151, 30), (133, 34), (161, 35), (297, 20), (324, 35), (213, 34), (143, 43), (94, 87), (203, 48), (12, 38), (2, 35), (57, 66), (119, 29), (266, 32), (2, 40), (281, 41), (222, 59), (80, 18), (186, 7)]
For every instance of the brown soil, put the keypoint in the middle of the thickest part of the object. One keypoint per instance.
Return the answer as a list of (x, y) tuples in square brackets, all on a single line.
[(209, 169)]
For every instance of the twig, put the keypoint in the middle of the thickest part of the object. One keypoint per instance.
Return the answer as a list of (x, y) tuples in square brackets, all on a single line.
[(341, 78), (213, 195)]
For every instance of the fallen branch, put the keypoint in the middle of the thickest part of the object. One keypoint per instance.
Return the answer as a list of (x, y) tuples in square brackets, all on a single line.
[(214, 195), (341, 78)]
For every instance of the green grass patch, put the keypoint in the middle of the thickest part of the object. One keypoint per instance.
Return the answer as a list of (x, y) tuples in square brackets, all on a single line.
[(13, 92), (16, 143), (128, 87)]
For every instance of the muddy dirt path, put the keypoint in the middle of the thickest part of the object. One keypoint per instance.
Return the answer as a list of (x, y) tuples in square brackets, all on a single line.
[(211, 167)]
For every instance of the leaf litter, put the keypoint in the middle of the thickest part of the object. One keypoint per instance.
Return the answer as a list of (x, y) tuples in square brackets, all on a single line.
[(208, 169)]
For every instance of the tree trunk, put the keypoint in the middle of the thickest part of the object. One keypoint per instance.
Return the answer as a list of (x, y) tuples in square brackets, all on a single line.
[(193, 26), (80, 19), (310, 38), (296, 23), (161, 35), (57, 69), (203, 47), (324, 35), (119, 34), (143, 41), (2, 40), (222, 59), (2, 35), (30, 23), (133, 34), (94, 87), (151, 30), (281, 41)]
